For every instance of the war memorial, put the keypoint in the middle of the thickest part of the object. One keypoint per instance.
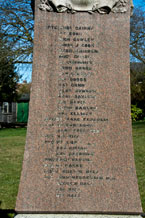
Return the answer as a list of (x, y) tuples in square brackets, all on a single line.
[(79, 158)]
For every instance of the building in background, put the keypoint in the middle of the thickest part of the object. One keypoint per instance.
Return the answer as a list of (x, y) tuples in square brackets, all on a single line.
[(16, 113)]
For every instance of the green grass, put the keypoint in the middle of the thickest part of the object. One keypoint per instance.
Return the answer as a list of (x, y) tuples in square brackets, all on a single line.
[(139, 150), (11, 154)]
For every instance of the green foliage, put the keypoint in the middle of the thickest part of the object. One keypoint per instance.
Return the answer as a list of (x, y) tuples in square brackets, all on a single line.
[(135, 112), (8, 76), (138, 89), (8, 80)]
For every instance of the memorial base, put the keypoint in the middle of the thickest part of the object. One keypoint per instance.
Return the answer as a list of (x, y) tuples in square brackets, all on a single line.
[(74, 216)]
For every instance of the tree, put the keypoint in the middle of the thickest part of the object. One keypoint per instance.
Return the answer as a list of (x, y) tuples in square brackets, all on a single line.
[(17, 29), (17, 24), (138, 86), (137, 35), (8, 76), (23, 88), (137, 50)]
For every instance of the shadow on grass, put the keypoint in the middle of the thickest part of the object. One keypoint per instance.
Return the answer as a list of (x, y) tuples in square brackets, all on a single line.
[(7, 213), (138, 123)]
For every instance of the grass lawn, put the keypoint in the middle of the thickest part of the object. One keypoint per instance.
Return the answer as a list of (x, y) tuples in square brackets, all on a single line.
[(139, 150), (11, 154)]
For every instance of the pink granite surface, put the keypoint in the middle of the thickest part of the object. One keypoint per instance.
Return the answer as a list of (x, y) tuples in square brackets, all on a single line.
[(79, 152)]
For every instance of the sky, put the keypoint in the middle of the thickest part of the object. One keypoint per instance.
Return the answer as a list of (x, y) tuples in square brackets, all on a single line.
[(27, 71), (139, 3)]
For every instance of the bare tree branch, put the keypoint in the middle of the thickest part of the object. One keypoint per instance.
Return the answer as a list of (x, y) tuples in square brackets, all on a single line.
[(137, 35), (16, 28)]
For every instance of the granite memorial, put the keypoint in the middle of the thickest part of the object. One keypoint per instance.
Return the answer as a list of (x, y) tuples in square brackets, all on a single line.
[(79, 155)]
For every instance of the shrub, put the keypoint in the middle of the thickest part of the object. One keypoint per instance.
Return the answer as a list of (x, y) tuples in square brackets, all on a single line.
[(135, 112)]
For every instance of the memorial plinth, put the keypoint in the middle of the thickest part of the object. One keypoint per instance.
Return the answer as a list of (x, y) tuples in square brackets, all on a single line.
[(79, 153)]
